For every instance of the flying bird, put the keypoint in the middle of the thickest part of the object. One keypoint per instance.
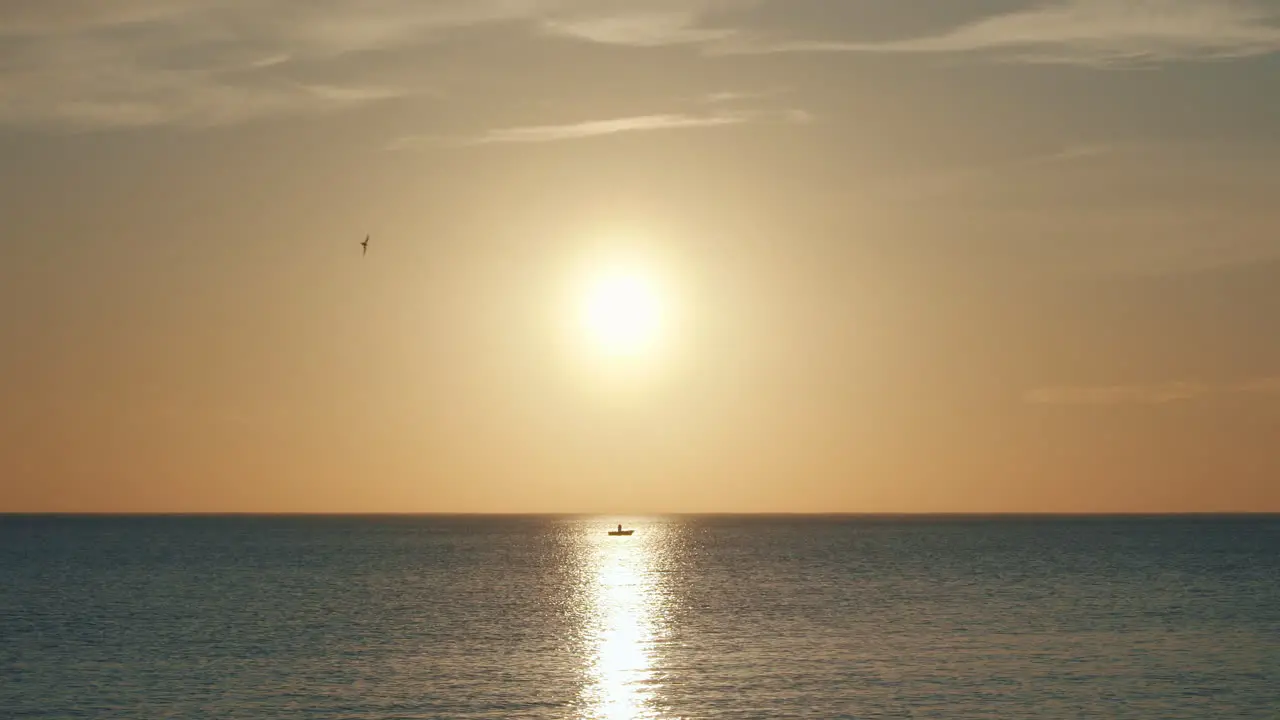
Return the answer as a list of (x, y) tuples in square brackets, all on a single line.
[(364, 246)]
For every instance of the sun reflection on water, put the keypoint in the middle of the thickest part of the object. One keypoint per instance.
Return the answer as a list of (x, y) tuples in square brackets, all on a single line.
[(624, 623)]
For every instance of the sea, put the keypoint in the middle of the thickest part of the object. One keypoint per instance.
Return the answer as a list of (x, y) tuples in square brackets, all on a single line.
[(399, 617)]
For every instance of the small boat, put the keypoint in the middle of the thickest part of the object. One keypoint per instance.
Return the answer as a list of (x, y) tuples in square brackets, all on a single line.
[(620, 531)]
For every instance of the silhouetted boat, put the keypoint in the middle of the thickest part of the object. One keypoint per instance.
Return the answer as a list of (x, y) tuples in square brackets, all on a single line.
[(620, 531)]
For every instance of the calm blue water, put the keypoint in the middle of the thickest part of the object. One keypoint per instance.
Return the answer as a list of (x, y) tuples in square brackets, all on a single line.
[(689, 618)]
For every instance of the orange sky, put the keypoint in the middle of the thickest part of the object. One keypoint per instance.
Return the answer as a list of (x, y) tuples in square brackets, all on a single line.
[(911, 264)]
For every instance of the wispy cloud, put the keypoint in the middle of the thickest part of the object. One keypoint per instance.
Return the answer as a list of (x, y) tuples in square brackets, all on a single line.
[(1153, 394), (641, 30), (642, 123), (599, 128), (94, 64), (132, 63), (735, 97), (112, 63), (1075, 152), (643, 23), (1091, 32), (730, 96)]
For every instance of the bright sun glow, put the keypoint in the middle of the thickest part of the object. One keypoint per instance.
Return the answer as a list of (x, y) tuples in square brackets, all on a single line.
[(622, 310)]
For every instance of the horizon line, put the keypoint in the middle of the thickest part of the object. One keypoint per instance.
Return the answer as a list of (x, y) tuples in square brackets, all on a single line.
[(448, 514)]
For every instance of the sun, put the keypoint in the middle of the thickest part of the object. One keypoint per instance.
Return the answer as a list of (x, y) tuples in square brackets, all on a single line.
[(621, 310)]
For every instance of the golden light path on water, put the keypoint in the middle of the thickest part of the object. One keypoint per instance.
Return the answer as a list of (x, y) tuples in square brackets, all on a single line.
[(625, 621)]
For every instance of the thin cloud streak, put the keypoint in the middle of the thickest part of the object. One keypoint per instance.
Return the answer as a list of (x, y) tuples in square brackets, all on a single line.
[(1099, 33), (643, 123), (1153, 394), (601, 128), (638, 30)]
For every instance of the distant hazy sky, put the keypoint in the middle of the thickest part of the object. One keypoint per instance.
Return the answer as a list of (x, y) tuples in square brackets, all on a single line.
[(992, 255)]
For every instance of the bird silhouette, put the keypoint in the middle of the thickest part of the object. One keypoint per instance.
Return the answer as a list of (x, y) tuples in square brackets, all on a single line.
[(364, 246)]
